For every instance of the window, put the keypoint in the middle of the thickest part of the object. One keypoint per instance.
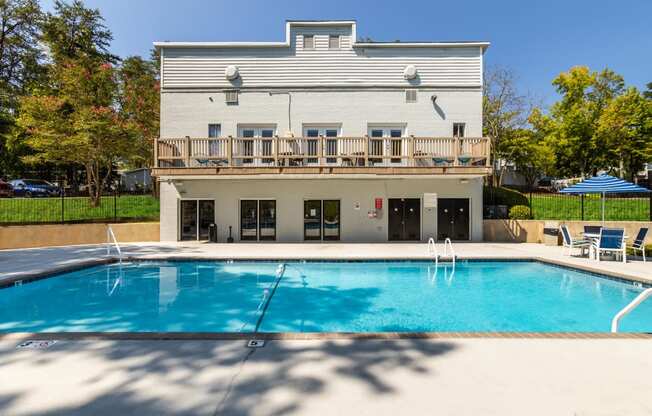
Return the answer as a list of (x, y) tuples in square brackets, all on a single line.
[(321, 219), (257, 219), (255, 148), (214, 130), (386, 141), (196, 215), (308, 42), (458, 129), (334, 42), (410, 96), (330, 144)]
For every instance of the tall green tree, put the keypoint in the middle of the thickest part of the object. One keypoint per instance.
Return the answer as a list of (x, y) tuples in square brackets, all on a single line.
[(504, 112), (648, 93), (139, 106), (80, 123), (74, 31), (625, 132), (572, 124), (20, 69)]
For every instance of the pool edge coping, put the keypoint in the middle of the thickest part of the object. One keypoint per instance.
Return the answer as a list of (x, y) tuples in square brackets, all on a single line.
[(308, 336)]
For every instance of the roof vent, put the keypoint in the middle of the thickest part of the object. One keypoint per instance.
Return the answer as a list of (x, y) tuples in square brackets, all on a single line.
[(231, 96), (410, 96), (231, 72), (410, 72)]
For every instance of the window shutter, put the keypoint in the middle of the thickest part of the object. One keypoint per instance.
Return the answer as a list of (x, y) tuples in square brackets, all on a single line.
[(410, 96)]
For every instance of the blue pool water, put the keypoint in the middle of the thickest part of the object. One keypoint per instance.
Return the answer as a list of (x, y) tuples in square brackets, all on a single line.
[(321, 297)]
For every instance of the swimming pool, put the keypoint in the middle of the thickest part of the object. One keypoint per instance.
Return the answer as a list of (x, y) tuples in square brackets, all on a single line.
[(396, 296)]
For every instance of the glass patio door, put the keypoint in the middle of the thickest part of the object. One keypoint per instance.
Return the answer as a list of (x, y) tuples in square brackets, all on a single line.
[(385, 142), (195, 217), (257, 220)]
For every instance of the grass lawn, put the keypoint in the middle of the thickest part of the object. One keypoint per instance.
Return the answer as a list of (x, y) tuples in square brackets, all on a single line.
[(569, 207), (36, 210)]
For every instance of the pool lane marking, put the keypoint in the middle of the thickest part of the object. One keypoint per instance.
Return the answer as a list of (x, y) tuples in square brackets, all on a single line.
[(280, 271)]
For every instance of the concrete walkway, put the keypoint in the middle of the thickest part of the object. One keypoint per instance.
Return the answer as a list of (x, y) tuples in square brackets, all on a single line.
[(341, 377)]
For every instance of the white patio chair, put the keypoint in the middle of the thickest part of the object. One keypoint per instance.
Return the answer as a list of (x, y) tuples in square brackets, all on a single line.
[(639, 242), (570, 243), (612, 240)]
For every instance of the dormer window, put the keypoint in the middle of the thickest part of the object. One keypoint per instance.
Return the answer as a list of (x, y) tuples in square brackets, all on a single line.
[(334, 42), (308, 42)]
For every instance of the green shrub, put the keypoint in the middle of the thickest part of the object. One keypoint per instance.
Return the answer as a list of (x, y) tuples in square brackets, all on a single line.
[(504, 196), (520, 212)]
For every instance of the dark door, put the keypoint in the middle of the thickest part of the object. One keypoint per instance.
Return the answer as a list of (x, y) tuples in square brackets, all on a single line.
[(188, 220), (312, 220), (453, 218), (206, 217), (267, 223), (249, 220), (404, 219)]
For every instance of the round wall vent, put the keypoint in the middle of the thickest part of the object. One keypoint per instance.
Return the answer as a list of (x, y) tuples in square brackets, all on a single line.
[(231, 72), (410, 72)]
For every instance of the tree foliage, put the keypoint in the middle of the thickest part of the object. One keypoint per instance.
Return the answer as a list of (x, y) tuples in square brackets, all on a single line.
[(80, 123)]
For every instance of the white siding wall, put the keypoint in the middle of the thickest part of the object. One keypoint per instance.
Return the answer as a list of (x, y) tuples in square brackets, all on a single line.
[(293, 66), (290, 194), (189, 113)]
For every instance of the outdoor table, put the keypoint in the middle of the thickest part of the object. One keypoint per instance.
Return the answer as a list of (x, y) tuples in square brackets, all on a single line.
[(594, 237)]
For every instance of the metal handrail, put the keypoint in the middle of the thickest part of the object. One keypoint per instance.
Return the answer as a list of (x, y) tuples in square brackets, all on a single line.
[(432, 250), (449, 243), (110, 237), (630, 307)]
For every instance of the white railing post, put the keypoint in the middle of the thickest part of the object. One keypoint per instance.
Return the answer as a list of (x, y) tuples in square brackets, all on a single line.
[(627, 309)]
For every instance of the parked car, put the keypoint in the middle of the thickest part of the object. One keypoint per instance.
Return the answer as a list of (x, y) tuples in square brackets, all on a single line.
[(34, 188), (6, 190)]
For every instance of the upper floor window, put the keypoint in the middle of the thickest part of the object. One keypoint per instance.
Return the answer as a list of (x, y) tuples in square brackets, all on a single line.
[(214, 130), (458, 129), (308, 42), (334, 42)]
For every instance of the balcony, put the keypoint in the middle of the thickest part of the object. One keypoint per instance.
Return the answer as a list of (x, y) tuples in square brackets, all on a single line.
[(322, 155)]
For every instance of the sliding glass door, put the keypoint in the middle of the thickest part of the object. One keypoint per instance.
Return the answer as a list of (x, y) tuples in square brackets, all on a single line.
[(321, 219), (257, 220), (196, 215)]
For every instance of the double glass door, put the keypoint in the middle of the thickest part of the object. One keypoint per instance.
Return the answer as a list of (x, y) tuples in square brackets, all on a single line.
[(196, 216), (385, 142), (321, 219), (257, 219)]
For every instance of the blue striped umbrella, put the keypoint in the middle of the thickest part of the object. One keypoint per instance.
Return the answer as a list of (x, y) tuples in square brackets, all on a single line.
[(603, 184)]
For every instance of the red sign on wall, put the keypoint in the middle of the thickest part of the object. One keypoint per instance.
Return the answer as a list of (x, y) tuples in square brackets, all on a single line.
[(379, 203)]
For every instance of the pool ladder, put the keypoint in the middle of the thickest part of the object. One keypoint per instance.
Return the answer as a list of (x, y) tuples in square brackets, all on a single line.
[(448, 246), (630, 307), (111, 240)]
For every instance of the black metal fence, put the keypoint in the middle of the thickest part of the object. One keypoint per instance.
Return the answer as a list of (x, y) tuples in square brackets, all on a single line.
[(79, 208), (557, 206)]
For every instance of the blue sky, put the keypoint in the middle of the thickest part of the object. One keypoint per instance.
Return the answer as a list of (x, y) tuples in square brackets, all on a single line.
[(537, 39)]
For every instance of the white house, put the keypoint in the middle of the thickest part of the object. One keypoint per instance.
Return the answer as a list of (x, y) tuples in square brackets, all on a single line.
[(321, 137)]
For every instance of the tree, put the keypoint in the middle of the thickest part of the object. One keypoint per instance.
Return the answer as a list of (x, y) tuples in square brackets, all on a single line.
[(74, 31), (531, 155), (625, 131), (648, 93), (80, 123), (571, 127), (20, 69), (504, 111), (140, 105)]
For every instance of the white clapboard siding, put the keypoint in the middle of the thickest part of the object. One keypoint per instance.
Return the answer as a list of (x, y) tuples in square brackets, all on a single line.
[(321, 66)]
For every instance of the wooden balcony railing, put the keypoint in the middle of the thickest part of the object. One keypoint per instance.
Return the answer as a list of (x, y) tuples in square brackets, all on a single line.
[(224, 152)]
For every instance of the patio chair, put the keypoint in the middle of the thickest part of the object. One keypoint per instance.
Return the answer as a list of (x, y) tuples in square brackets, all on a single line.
[(592, 229), (639, 242), (570, 243), (612, 240)]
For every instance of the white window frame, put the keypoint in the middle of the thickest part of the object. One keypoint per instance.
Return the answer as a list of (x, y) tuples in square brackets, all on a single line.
[(312, 37), (197, 214), (321, 132), (339, 42), (387, 129), (459, 123), (259, 148)]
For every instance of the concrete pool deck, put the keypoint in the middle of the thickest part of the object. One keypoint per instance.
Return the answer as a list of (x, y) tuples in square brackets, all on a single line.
[(344, 377), (442, 375), (22, 263)]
